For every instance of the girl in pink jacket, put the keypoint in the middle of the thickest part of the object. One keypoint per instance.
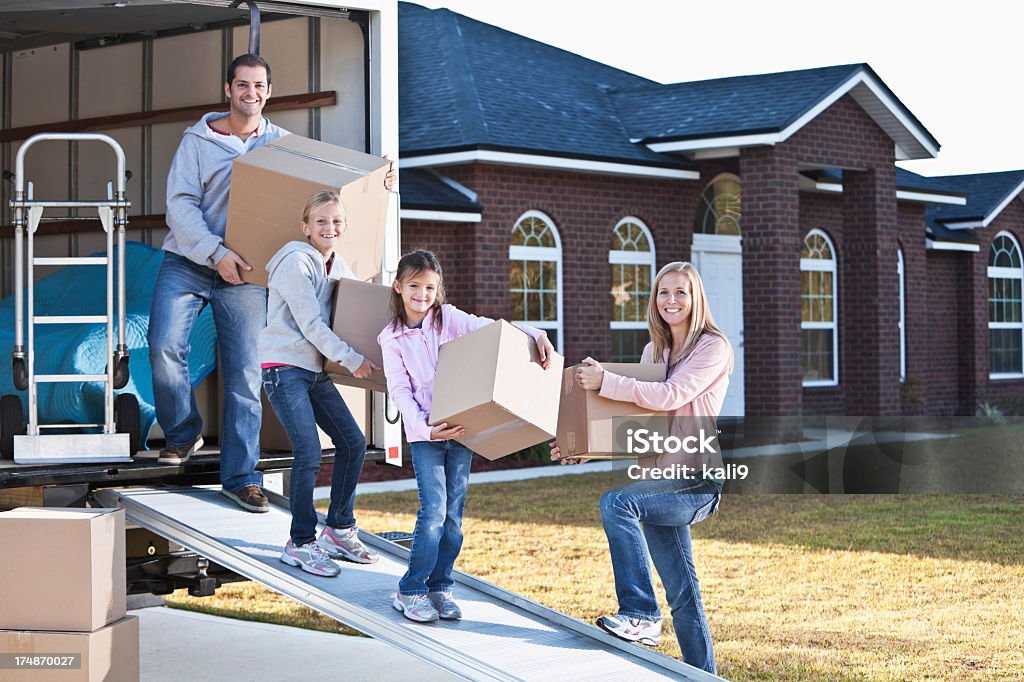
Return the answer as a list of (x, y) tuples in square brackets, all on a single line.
[(651, 519), (421, 322)]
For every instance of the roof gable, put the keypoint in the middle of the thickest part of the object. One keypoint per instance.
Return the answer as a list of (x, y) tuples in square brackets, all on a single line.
[(987, 195), (763, 109)]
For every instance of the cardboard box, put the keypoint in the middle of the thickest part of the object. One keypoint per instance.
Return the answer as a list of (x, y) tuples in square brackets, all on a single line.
[(270, 186), (106, 655), (61, 569), (490, 381), (360, 313), (585, 418)]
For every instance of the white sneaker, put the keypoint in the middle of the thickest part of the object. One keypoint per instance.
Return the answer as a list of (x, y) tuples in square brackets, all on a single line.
[(446, 607), (632, 629), (415, 607), (345, 544), (311, 558)]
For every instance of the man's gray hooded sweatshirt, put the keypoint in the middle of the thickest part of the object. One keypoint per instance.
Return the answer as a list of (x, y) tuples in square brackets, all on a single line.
[(197, 188), (299, 311)]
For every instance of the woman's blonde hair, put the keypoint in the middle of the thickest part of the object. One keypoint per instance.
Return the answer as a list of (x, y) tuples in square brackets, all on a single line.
[(701, 320)]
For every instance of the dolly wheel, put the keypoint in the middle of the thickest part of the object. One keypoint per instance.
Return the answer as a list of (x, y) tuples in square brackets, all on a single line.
[(12, 423), (20, 373), (120, 371), (126, 419)]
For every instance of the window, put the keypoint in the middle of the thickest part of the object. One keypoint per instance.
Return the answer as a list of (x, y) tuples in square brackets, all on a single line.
[(901, 273), (632, 262), (535, 271), (819, 332), (718, 210), (1005, 325)]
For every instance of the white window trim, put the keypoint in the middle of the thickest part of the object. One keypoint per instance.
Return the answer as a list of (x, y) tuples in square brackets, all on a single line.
[(901, 272), (1003, 272), (633, 258), (831, 266), (543, 253)]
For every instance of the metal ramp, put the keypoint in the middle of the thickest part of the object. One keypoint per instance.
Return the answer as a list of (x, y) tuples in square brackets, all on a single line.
[(502, 636)]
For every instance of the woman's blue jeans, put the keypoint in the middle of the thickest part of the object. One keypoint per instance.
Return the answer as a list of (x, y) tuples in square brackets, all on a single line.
[(442, 476), (303, 400), (651, 520)]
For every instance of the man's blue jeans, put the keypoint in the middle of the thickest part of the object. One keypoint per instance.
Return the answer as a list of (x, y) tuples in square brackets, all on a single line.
[(442, 476), (651, 520), (302, 400), (182, 290)]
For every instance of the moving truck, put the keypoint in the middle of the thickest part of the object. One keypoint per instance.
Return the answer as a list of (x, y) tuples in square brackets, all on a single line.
[(141, 71)]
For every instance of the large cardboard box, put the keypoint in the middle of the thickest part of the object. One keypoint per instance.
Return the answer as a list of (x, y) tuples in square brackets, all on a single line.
[(490, 381), (270, 186), (110, 654), (585, 418), (360, 313), (61, 569)]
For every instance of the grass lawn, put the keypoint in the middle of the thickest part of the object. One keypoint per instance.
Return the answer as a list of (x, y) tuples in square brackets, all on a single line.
[(796, 587)]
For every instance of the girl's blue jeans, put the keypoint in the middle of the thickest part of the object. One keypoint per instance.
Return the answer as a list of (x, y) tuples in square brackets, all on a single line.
[(302, 400), (442, 476), (651, 520)]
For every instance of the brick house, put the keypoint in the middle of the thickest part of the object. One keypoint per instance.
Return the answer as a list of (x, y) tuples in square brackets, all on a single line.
[(552, 187)]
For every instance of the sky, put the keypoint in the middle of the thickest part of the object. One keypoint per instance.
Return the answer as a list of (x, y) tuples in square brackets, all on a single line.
[(955, 65)]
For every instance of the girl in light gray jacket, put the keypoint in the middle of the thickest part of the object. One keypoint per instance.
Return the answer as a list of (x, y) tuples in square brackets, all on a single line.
[(293, 347)]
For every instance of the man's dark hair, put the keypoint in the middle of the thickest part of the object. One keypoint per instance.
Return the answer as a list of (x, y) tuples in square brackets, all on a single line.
[(247, 60)]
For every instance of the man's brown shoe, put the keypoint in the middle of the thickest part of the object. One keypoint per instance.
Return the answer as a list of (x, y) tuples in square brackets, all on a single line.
[(249, 498), (173, 454)]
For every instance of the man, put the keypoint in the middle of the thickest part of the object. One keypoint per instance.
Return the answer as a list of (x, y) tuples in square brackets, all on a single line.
[(198, 270)]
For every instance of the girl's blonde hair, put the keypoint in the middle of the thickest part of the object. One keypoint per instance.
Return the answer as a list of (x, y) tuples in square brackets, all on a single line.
[(701, 320), (410, 265), (321, 198)]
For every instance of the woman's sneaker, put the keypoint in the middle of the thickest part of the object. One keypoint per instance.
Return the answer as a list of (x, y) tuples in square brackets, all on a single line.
[(345, 544), (446, 607), (632, 629), (311, 558), (415, 607)]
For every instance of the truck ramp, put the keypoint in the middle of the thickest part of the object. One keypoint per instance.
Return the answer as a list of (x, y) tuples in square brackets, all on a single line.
[(502, 635)]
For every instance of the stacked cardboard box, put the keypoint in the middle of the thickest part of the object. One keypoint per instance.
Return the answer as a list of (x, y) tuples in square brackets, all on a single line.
[(62, 587), (490, 381)]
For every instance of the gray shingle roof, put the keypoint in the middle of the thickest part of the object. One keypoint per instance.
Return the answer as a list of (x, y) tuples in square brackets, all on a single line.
[(985, 192), (464, 84), (422, 190)]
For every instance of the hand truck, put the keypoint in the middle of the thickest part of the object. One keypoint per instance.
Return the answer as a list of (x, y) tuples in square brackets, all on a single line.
[(118, 438)]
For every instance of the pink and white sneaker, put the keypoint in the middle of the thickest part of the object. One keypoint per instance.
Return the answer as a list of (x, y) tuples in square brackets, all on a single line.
[(311, 558), (632, 629), (345, 544)]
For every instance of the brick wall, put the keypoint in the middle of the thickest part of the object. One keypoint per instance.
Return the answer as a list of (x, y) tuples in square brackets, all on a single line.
[(584, 208), (984, 390), (934, 351)]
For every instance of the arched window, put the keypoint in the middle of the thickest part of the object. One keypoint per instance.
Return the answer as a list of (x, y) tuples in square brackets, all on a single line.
[(535, 274), (718, 210), (819, 311), (902, 273), (631, 257), (1005, 324)]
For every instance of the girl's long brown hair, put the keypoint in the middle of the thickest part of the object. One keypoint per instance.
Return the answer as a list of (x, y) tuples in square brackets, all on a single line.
[(410, 265), (701, 320)]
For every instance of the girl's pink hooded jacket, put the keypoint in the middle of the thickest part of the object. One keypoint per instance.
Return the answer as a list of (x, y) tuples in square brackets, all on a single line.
[(695, 387), (410, 362)]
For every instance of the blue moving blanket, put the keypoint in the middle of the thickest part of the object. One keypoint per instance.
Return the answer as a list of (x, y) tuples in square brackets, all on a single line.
[(82, 348)]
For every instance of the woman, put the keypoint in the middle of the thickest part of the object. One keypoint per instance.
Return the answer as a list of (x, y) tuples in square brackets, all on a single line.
[(651, 519)]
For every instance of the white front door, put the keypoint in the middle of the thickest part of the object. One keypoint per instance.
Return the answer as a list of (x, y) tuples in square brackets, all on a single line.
[(719, 260)]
